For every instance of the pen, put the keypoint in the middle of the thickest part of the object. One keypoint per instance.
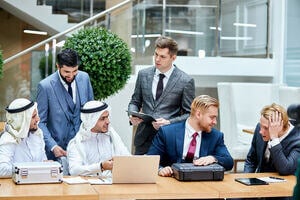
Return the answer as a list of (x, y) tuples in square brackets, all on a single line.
[(277, 178)]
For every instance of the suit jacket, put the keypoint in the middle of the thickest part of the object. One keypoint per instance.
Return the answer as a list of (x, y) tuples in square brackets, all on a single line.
[(59, 116), (169, 141), (174, 103), (284, 155)]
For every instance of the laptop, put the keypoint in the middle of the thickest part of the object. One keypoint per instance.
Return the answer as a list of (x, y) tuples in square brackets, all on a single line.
[(135, 169)]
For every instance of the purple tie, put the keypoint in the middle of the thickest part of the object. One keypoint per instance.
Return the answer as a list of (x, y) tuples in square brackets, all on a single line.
[(192, 148)]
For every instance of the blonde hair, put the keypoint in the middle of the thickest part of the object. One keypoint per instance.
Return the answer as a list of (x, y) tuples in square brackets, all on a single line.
[(202, 103), (268, 110)]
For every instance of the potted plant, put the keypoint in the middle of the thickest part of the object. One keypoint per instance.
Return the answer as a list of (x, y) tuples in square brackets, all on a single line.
[(104, 56)]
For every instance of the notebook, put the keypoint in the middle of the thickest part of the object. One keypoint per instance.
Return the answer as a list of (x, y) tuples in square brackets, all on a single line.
[(135, 169)]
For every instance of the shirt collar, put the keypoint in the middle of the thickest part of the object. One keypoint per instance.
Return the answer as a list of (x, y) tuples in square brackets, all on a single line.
[(63, 82), (287, 133), (167, 74), (190, 129)]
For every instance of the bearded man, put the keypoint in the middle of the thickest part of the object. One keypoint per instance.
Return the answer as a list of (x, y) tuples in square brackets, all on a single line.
[(91, 151), (22, 140), (193, 140), (60, 97)]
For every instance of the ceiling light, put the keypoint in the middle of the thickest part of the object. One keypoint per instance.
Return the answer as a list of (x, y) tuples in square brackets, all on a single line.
[(244, 24), (146, 36), (184, 32), (236, 38), (214, 28), (35, 32)]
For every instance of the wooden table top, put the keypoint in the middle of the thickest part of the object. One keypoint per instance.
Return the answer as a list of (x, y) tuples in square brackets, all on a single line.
[(9, 190), (170, 188), (165, 188), (229, 188)]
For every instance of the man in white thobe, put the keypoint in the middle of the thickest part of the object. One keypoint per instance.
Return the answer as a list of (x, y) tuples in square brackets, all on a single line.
[(21, 140), (91, 151)]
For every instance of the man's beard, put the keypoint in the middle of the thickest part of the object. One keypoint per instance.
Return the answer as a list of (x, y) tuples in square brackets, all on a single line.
[(65, 80), (33, 129)]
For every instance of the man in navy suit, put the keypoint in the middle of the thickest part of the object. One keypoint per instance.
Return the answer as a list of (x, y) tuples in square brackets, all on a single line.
[(60, 97), (275, 145), (162, 91), (172, 142)]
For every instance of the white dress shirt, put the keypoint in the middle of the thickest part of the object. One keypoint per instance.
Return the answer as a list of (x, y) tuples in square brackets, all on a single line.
[(85, 155), (188, 136), (156, 79), (30, 149), (73, 85)]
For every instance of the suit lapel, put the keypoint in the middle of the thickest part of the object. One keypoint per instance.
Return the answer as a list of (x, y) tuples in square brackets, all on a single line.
[(204, 146), (79, 90), (170, 85), (149, 79), (179, 141), (59, 92)]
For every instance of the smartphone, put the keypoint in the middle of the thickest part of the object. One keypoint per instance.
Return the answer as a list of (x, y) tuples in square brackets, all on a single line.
[(251, 181)]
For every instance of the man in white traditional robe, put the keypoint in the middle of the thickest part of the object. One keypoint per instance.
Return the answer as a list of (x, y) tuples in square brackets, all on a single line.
[(22, 139), (91, 151)]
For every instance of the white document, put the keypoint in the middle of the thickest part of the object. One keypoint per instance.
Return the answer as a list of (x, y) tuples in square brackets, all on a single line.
[(101, 181), (75, 180), (271, 179), (93, 181)]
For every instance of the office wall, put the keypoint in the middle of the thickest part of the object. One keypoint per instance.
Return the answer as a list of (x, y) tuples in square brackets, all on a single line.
[(16, 74)]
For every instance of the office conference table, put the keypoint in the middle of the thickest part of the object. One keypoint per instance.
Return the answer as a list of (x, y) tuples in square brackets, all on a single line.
[(165, 188), (170, 188)]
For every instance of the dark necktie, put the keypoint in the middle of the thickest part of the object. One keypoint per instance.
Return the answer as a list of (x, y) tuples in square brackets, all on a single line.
[(192, 148), (160, 86), (70, 90)]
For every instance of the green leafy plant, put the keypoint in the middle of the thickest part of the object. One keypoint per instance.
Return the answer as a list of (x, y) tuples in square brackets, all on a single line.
[(42, 66), (1, 65), (104, 56)]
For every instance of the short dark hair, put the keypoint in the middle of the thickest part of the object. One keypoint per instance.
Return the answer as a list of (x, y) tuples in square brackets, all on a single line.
[(67, 57), (167, 42)]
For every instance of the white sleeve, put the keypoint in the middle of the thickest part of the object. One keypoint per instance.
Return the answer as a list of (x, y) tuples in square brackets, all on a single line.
[(76, 161), (6, 159)]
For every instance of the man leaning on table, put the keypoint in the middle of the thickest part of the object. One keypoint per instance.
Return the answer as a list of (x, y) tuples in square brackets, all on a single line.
[(91, 151), (22, 139), (172, 142)]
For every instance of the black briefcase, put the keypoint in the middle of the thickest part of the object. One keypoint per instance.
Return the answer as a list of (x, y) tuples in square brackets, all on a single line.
[(191, 172)]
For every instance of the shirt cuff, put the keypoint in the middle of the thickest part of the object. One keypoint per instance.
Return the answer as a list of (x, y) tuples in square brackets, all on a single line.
[(53, 147), (274, 142)]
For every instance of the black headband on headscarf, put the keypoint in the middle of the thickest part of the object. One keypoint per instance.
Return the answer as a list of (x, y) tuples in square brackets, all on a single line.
[(92, 110), (17, 110)]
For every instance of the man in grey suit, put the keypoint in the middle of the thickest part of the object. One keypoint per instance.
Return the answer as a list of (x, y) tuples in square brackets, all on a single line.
[(162, 91), (60, 97), (275, 144)]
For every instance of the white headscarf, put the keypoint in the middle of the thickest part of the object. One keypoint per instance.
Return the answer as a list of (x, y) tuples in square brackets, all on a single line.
[(90, 113), (18, 117)]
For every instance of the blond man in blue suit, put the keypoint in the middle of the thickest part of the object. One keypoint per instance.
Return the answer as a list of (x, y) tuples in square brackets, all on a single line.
[(60, 97), (169, 104), (172, 142)]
